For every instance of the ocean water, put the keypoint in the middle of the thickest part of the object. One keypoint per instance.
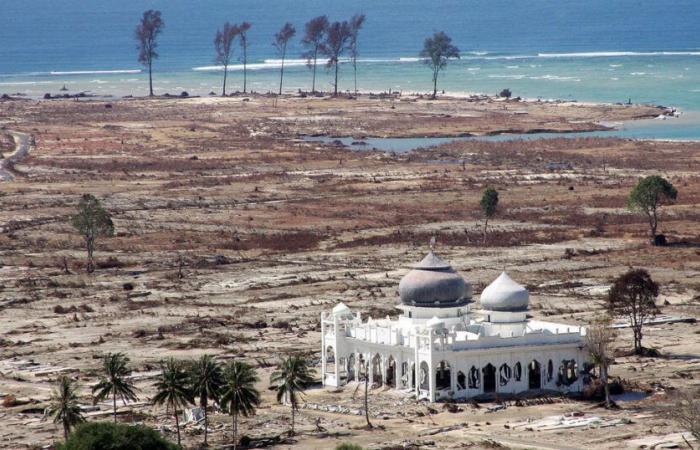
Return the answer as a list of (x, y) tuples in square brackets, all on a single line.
[(647, 51)]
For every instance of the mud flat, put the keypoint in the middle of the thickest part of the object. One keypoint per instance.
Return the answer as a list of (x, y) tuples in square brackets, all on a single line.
[(272, 230)]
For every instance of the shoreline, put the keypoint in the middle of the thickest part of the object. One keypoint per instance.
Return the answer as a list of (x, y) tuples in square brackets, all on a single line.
[(513, 108)]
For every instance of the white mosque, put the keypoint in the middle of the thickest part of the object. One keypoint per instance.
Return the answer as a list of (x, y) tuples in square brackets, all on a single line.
[(439, 351)]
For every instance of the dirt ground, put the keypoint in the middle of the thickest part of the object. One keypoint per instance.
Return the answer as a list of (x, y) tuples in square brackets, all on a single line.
[(270, 230)]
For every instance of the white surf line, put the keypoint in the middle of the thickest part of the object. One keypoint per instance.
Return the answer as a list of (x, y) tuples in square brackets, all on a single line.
[(22, 145)]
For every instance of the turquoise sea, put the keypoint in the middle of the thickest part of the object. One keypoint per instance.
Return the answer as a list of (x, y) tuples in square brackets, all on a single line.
[(598, 50)]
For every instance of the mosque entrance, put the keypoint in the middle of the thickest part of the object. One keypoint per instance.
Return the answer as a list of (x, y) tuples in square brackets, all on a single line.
[(489, 378), (534, 375), (391, 372), (351, 367)]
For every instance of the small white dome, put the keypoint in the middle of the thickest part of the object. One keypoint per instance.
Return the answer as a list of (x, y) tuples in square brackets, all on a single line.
[(435, 323), (504, 294), (341, 309)]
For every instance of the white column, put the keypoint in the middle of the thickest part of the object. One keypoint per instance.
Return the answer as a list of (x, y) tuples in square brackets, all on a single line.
[(323, 349), (336, 356), (431, 367)]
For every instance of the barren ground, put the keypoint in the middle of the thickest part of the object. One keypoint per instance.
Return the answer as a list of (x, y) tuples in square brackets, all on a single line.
[(300, 226)]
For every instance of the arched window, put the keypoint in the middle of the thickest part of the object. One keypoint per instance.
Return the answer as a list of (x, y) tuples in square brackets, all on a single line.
[(567, 373), (461, 381), (534, 375), (424, 374), (443, 376), (505, 373), (550, 370), (351, 367), (517, 371), (376, 369), (474, 378)]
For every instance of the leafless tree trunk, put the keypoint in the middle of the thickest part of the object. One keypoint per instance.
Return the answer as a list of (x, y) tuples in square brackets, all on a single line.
[(369, 425)]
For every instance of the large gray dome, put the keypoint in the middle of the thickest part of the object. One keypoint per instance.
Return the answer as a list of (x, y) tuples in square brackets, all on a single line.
[(434, 283), (504, 294)]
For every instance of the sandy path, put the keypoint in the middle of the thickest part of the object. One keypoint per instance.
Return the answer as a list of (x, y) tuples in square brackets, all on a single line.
[(22, 144)]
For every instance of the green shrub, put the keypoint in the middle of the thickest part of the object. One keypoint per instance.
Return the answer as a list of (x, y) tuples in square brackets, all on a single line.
[(115, 436), (348, 446)]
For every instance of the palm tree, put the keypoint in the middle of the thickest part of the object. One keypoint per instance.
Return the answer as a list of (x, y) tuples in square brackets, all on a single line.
[(173, 389), (290, 378), (114, 381), (238, 393), (206, 385), (64, 405)]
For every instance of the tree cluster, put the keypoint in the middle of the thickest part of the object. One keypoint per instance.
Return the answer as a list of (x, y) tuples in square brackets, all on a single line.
[(203, 382)]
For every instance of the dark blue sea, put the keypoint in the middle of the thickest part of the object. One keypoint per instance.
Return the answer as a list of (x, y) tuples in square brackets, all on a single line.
[(646, 51)]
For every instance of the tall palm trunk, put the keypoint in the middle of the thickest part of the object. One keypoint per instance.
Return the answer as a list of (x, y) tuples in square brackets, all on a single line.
[(434, 86), (66, 430), (369, 425), (223, 91), (206, 421), (486, 224), (293, 410), (313, 78), (114, 404), (335, 88), (354, 66), (150, 78), (284, 52), (245, 64), (234, 427), (177, 425)]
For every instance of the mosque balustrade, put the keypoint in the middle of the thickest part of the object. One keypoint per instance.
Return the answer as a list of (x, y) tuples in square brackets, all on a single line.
[(379, 334), (447, 341)]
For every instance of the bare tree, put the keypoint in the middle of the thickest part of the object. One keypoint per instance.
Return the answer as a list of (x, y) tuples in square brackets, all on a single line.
[(336, 43), (437, 50), (147, 32), (282, 38), (685, 411), (599, 339), (314, 35), (243, 33), (633, 295), (356, 23), (223, 43), (369, 424)]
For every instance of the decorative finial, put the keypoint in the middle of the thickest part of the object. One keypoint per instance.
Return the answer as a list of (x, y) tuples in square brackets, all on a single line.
[(433, 241)]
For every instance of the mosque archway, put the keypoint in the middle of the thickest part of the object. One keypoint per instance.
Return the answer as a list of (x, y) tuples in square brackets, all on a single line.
[(351, 367), (424, 376), (413, 375), (474, 378), (504, 374), (461, 381), (443, 376), (534, 375), (517, 371), (391, 372), (330, 359), (377, 369), (489, 377), (550, 371), (567, 373)]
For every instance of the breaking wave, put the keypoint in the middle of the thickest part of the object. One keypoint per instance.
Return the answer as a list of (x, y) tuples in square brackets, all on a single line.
[(95, 72)]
